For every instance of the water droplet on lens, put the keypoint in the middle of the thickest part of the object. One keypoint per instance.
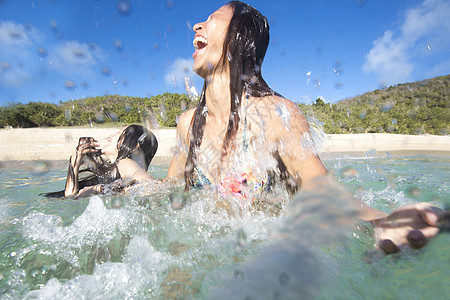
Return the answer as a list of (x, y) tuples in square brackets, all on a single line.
[(79, 53), (413, 192), (42, 51), (241, 238), (118, 45), (69, 84), (387, 107), (106, 70), (156, 46), (124, 8), (15, 34), (39, 167), (360, 3), (169, 4), (6, 65), (53, 24), (338, 85), (239, 275), (100, 118), (276, 295), (177, 200), (284, 278), (349, 172)]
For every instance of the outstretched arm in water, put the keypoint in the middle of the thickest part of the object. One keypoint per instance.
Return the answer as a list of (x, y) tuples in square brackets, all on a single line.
[(410, 225)]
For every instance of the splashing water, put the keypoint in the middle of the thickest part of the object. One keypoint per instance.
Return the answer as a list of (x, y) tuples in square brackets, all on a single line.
[(154, 241)]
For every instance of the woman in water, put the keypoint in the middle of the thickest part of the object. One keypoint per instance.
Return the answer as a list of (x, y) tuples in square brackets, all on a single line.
[(243, 135), (123, 160)]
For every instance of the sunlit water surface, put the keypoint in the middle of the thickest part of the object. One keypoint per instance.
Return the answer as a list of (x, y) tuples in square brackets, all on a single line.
[(153, 242)]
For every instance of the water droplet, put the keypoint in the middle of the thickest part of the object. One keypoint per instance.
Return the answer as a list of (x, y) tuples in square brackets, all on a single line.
[(362, 115), (162, 113), (413, 192), (12, 254), (239, 275), (100, 118), (387, 107), (124, 8), (79, 53), (276, 295), (42, 51), (360, 3), (156, 46), (118, 45), (241, 238), (169, 4), (106, 70), (39, 167), (15, 34), (349, 172), (70, 85), (428, 46), (338, 85), (394, 121), (177, 200), (229, 56), (54, 25), (317, 82), (6, 65), (68, 114), (284, 278)]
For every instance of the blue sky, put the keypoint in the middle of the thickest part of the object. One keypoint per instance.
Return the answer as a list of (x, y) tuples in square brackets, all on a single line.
[(61, 49)]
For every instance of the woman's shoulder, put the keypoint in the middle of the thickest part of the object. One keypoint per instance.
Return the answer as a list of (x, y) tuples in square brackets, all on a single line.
[(278, 108), (184, 121)]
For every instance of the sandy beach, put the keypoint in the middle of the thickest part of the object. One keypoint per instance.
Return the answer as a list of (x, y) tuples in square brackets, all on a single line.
[(54, 144)]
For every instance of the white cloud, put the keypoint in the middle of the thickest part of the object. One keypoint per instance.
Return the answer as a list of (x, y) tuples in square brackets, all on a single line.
[(22, 57), (178, 71), (17, 52), (13, 36), (75, 58), (395, 55)]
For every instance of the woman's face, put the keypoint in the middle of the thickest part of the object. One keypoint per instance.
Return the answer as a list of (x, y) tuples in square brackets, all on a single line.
[(110, 147), (209, 39)]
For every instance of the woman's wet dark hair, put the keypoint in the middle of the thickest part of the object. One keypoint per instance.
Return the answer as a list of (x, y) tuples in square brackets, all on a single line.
[(135, 136), (96, 170), (244, 49)]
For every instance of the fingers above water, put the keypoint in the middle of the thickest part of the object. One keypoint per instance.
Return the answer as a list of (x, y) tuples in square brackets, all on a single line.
[(388, 246)]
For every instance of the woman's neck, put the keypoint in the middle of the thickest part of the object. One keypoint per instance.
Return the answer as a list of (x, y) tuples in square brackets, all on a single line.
[(218, 96)]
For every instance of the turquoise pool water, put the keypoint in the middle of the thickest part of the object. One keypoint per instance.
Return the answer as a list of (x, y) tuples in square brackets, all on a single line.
[(153, 242)]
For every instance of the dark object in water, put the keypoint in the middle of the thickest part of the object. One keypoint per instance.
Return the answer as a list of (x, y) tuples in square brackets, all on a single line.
[(444, 223)]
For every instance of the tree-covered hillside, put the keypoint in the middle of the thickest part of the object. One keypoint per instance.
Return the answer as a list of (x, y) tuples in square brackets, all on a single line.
[(163, 109), (411, 108)]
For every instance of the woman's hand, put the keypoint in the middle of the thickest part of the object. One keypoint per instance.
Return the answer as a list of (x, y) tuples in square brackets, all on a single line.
[(85, 146), (412, 224)]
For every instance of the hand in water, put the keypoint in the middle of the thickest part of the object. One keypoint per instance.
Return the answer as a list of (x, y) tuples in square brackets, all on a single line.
[(412, 225), (87, 145)]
